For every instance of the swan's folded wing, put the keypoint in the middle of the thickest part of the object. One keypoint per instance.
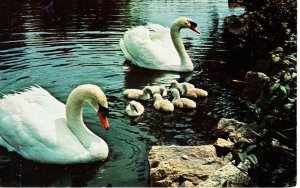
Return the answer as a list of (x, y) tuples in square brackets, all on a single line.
[(151, 49), (158, 32)]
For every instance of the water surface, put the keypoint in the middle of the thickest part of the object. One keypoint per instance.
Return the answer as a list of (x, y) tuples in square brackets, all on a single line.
[(77, 43)]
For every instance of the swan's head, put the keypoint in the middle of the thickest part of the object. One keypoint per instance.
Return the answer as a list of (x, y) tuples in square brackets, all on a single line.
[(93, 95), (174, 84), (187, 23), (147, 91), (133, 106)]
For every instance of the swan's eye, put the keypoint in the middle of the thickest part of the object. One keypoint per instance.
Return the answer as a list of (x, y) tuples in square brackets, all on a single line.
[(103, 110), (193, 24)]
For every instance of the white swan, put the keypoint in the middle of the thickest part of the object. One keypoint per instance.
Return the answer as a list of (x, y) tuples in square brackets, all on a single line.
[(134, 108), (138, 94), (182, 103), (157, 47), (39, 127), (159, 89), (179, 86), (162, 104), (193, 92)]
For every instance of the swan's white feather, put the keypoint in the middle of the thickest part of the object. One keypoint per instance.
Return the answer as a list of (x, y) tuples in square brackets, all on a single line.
[(33, 123), (147, 46)]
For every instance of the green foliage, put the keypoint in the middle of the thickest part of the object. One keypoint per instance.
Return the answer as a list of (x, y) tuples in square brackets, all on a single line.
[(275, 109), (245, 155)]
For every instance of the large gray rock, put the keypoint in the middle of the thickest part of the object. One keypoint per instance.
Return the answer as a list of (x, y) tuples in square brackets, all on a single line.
[(188, 166)]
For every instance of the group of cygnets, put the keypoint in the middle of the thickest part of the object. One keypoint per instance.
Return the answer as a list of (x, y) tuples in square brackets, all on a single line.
[(185, 89)]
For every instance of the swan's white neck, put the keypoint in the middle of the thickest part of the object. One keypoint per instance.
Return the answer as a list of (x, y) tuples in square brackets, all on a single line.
[(186, 62), (74, 108)]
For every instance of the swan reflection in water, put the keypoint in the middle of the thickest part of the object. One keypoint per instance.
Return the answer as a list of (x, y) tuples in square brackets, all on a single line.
[(136, 77)]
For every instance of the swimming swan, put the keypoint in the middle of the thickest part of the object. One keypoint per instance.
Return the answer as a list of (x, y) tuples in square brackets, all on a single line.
[(157, 47), (39, 127)]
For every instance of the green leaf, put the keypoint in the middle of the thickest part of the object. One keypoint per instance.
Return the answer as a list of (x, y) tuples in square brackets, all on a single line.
[(273, 98), (273, 87), (287, 77), (275, 58), (291, 100), (283, 90), (252, 158), (291, 58), (249, 148), (258, 110), (288, 106), (287, 88), (242, 157), (279, 49)]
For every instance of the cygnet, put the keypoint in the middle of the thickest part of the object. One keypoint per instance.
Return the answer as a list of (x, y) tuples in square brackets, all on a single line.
[(179, 86), (193, 92), (159, 89), (182, 103), (134, 108), (138, 94), (162, 104)]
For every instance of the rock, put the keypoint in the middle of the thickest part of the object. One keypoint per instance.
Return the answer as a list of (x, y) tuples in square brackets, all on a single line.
[(187, 184), (169, 169), (237, 25), (239, 131), (256, 82), (257, 79), (185, 157), (229, 124), (223, 147), (229, 175), (236, 137), (224, 143)]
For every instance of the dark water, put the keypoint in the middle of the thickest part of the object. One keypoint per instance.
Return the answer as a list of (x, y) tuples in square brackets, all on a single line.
[(77, 42)]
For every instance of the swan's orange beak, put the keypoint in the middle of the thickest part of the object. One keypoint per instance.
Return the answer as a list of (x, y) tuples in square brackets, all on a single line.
[(103, 120)]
